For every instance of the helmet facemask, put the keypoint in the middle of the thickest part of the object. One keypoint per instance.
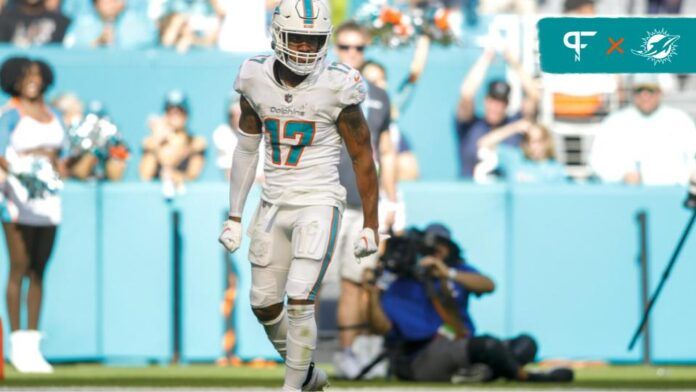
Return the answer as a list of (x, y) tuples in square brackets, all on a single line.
[(301, 63)]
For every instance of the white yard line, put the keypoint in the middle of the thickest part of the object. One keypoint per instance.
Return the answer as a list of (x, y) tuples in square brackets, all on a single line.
[(246, 389)]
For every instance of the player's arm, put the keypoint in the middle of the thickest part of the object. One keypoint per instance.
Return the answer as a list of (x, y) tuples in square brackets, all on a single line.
[(356, 136), (245, 159), (242, 173)]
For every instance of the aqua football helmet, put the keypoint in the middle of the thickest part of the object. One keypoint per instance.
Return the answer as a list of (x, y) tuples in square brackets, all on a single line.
[(296, 19)]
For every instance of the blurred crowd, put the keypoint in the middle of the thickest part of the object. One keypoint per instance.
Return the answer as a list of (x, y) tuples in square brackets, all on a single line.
[(530, 127)]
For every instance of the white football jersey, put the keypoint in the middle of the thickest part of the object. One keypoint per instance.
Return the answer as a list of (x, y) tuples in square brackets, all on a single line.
[(302, 142)]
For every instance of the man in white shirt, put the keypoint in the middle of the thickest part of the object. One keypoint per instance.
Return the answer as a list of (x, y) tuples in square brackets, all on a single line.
[(645, 143)]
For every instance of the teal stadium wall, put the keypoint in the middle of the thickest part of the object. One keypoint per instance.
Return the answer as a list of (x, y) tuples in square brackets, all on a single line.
[(564, 257)]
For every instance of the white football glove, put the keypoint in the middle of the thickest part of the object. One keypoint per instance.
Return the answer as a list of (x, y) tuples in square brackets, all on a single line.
[(365, 244), (231, 236)]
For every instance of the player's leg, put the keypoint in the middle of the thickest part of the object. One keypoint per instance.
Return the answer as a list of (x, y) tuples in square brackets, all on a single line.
[(314, 236), (351, 315), (270, 254)]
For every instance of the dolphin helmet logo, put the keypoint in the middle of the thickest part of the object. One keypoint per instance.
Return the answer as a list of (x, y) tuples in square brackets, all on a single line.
[(658, 47)]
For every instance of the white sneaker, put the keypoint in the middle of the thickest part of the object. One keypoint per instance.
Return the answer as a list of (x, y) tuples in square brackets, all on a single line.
[(317, 379), (346, 365), (366, 349), (38, 363), (19, 353)]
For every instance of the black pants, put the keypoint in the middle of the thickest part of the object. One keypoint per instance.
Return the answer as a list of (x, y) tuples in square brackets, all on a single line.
[(441, 358)]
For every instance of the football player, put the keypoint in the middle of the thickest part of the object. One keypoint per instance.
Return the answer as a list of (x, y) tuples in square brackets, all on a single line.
[(305, 108)]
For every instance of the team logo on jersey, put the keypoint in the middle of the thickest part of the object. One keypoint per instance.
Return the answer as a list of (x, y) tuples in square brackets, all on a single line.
[(659, 46), (291, 111), (288, 98)]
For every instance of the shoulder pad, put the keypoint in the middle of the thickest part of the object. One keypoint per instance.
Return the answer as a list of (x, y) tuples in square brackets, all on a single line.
[(248, 70)]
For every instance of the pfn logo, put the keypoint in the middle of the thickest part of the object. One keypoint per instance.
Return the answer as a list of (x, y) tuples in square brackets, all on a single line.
[(573, 40)]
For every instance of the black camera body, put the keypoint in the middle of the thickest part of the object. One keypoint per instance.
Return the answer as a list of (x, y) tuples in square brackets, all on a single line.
[(403, 253)]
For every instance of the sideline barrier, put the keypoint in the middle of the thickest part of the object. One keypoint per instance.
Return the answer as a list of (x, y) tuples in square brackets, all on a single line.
[(564, 259)]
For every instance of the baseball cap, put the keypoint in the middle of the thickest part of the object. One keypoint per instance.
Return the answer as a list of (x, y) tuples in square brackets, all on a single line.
[(499, 89), (646, 80), (438, 230), (176, 99)]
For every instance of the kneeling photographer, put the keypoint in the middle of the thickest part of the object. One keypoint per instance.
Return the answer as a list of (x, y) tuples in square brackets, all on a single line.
[(418, 298)]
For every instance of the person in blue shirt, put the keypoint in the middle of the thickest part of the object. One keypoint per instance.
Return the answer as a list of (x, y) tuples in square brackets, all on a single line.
[(112, 24), (421, 305), (533, 162), (470, 127)]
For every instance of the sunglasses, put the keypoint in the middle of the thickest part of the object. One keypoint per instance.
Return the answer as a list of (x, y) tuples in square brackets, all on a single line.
[(651, 90), (344, 48)]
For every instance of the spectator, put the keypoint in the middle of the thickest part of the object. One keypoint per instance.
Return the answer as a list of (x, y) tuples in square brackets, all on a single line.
[(406, 161), (225, 140), (421, 303), (190, 23), (97, 149), (580, 7), (29, 23), (171, 153), (70, 108), (31, 139), (111, 24), (534, 162), (351, 41), (470, 128), (576, 103), (645, 143), (664, 7)]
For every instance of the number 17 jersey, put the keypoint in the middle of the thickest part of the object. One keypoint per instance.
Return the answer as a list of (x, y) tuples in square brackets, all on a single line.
[(302, 142)]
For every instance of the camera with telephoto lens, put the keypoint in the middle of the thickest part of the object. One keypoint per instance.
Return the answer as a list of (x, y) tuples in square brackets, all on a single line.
[(403, 253)]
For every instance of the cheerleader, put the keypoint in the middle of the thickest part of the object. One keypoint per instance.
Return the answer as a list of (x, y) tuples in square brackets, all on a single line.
[(31, 139)]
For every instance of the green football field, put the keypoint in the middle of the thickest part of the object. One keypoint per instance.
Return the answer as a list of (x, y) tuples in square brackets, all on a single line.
[(197, 377)]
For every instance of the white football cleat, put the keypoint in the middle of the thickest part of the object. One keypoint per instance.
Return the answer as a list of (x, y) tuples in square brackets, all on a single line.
[(316, 380)]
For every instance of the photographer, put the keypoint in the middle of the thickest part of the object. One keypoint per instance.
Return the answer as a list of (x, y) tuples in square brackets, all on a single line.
[(420, 303)]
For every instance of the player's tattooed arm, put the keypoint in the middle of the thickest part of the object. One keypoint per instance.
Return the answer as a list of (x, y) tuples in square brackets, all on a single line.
[(249, 121), (356, 135)]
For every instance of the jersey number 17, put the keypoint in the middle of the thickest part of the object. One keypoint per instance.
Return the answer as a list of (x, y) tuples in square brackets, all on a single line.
[(291, 130)]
